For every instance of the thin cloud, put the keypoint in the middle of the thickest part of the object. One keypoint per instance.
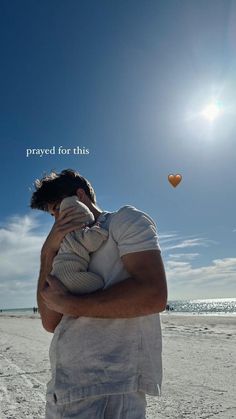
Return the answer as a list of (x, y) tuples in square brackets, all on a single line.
[(173, 241), (189, 243), (188, 256), (169, 235)]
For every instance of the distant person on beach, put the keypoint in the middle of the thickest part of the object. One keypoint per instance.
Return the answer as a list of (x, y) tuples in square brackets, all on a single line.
[(106, 349), (70, 265), (169, 308)]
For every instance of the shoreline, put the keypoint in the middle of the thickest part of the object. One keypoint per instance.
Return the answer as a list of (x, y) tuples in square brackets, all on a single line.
[(164, 313)]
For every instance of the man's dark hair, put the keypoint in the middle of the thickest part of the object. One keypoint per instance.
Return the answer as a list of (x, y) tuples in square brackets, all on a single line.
[(56, 186)]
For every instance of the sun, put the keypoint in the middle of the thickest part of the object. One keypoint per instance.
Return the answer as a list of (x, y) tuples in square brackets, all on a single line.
[(211, 111)]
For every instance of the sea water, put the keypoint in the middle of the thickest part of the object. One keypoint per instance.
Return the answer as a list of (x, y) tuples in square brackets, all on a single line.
[(28, 311), (223, 306)]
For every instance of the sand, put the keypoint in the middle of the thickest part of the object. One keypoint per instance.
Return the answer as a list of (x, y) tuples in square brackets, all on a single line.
[(199, 354)]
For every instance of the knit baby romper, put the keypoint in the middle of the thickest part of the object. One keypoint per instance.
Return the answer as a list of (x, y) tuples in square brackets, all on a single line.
[(71, 262)]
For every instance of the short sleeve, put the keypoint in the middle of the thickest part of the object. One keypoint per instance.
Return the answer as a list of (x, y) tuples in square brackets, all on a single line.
[(134, 231)]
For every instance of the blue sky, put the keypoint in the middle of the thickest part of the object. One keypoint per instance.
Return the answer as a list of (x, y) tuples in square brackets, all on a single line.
[(129, 81)]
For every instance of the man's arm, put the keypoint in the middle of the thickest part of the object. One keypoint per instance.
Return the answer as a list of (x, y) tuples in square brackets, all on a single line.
[(67, 221), (145, 292), (50, 318)]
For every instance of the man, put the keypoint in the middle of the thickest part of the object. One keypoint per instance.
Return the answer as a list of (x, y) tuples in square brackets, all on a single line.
[(106, 350)]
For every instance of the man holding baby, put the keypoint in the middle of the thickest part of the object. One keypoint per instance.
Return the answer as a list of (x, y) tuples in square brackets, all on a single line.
[(106, 349)]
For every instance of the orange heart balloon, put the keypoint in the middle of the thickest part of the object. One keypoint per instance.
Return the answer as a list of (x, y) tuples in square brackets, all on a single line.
[(174, 179)]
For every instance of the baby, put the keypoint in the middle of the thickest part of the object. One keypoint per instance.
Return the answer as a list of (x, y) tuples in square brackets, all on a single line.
[(71, 262)]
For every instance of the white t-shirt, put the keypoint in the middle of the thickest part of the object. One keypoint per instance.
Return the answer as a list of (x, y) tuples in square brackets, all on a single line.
[(91, 356)]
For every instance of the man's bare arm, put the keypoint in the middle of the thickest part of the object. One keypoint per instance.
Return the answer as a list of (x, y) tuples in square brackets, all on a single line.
[(50, 318), (67, 221), (145, 292)]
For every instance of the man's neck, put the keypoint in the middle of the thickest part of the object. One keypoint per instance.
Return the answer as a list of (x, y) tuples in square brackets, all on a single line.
[(95, 210)]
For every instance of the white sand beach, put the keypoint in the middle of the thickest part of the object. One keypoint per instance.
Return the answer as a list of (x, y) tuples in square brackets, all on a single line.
[(199, 354)]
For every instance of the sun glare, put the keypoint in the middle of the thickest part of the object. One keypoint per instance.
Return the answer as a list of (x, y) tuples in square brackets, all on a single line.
[(211, 111)]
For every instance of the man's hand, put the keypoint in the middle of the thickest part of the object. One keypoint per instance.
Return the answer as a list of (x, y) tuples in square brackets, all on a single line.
[(54, 294), (67, 221)]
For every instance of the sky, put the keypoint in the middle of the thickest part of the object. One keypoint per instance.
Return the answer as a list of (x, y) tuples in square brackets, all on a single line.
[(142, 90)]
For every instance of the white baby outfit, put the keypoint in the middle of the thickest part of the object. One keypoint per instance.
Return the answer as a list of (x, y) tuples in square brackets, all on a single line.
[(70, 265)]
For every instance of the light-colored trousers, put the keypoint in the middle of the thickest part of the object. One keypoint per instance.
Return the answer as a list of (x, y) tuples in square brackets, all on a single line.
[(115, 406)]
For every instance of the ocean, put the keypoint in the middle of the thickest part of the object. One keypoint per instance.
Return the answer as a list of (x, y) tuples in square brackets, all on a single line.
[(216, 306), (221, 306)]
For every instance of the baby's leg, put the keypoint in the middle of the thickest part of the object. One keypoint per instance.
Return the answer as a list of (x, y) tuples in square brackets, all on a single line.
[(77, 282)]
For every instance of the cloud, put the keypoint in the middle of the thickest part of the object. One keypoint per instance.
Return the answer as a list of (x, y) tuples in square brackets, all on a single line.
[(217, 279), (19, 247), (188, 256), (173, 241), (20, 244), (168, 236), (189, 243)]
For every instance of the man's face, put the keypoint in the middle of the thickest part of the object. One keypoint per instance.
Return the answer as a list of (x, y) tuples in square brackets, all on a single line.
[(54, 209)]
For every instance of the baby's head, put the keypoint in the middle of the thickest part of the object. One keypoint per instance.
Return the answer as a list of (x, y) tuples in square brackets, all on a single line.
[(73, 201)]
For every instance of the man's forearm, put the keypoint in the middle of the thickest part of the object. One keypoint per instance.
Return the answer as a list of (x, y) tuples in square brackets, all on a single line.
[(126, 299), (144, 293), (50, 318)]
